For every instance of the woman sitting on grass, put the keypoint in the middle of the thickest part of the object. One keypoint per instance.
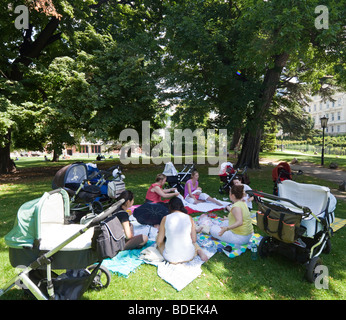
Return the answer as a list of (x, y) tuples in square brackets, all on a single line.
[(193, 194), (238, 229), (156, 191), (177, 237), (132, 241)]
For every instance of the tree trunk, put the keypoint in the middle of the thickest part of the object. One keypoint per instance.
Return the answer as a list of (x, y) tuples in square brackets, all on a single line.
[(249, 155), (56, 154), (235, 139), (6, 164)]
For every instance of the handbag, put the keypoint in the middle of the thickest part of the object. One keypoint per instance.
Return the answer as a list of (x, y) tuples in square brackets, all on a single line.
[(108, 238)]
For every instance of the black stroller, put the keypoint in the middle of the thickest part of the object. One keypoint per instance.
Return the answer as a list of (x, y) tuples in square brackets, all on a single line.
[(228, 173), (177, 179), (297, 223), (89, 190), (40, 241)]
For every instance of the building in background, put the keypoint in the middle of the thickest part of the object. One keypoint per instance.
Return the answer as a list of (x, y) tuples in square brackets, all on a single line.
[(334, 109)]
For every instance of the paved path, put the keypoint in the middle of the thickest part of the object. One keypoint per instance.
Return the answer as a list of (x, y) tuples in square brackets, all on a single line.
[(334, 175)]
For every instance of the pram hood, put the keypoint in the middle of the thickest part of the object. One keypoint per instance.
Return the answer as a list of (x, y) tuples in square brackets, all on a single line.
[(224, 167), (170, 170), (71, 174), (27, 227), (276, 171), (316, 198)]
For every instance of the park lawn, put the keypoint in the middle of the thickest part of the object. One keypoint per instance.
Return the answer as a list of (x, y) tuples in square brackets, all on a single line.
[(222, 278)]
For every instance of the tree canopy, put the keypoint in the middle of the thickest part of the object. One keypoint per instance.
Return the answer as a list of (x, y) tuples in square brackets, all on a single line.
[(93, 68)]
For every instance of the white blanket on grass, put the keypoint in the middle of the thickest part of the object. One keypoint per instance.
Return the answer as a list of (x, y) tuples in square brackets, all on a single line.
[(177, 275), (180, 275)]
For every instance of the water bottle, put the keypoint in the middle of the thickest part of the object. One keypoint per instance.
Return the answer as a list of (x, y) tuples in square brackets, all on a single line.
[(253, 250)]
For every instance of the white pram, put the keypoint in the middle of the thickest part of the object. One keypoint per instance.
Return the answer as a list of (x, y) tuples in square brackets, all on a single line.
[(297, 222)]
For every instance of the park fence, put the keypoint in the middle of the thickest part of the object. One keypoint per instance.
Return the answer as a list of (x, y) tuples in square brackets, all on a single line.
[(330, 150)]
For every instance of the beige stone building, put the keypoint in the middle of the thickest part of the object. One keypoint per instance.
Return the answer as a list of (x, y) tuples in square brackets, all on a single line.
[(334, 109)]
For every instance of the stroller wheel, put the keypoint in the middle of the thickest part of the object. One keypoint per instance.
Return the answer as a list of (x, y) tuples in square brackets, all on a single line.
[(311, 274), (102, 278), (265, 247), (97, 207), (328, 247)]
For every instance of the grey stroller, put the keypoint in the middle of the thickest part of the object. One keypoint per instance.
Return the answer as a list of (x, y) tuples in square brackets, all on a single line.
[(41, 242)]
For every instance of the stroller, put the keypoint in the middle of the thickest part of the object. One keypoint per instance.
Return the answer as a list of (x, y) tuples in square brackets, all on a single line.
[(297, 223), (177, 179), (88, 188), (40, 242), (282, 172), (228, 173)]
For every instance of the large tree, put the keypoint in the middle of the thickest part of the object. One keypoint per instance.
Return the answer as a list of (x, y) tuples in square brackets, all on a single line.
[(232, 55), (81, 66)]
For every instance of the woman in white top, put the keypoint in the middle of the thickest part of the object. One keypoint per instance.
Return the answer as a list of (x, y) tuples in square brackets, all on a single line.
[(177, 237)]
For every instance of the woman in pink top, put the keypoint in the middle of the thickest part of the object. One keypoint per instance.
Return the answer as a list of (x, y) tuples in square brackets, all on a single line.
[(193, 193), (156, 191)]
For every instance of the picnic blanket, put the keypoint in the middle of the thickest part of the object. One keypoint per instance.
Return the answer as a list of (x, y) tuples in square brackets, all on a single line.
[(204, 206), (126, 261), (193, 208), (177, 275)]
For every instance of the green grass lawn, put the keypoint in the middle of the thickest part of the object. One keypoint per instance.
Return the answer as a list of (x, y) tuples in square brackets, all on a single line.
[(274, 278)]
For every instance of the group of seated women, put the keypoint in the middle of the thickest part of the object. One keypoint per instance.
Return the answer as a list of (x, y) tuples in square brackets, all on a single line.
[(177, 238)]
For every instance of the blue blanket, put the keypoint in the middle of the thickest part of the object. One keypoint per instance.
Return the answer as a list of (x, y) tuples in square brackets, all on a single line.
[(126, 261)]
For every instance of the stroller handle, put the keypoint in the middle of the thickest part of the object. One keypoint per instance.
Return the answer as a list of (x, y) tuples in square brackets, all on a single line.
[(255, 194), (106, 213)]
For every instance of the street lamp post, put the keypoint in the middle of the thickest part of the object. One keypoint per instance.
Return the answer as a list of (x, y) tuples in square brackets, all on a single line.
[(324, 122)]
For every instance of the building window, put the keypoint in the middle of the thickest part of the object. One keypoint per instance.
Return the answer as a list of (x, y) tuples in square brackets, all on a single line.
[(339, 118), (338, 128), (332, 116), (327, 105), (320, 105)]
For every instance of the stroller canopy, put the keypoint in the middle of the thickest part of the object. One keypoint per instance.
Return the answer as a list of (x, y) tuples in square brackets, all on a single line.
[(170, 170), (226, 168), (283, 170), (27, 227), (70, 176)]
